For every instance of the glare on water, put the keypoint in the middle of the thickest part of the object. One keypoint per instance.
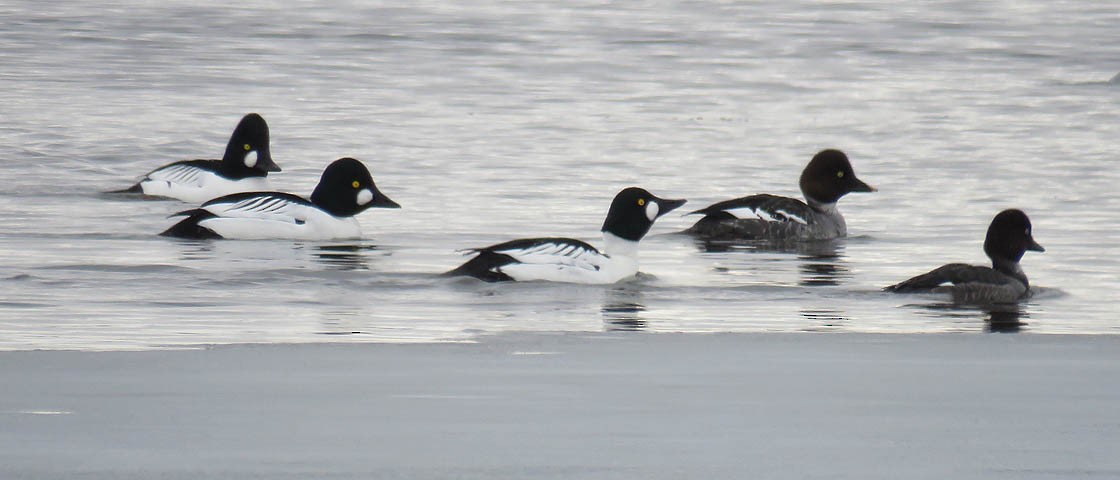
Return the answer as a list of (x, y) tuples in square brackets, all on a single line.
[(492, 121)]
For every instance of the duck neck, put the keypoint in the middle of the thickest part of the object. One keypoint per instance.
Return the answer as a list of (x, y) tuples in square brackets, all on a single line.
[(1010, 268), (829, 216), (616, 246), (822, 207)]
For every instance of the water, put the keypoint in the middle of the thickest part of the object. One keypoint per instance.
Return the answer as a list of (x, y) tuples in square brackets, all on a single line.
[(492, 120)]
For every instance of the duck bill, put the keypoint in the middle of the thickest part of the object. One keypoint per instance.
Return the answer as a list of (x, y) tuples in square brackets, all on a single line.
[(265, 163), (859, 186), (381, 201), (1035, 247), (665, 206)]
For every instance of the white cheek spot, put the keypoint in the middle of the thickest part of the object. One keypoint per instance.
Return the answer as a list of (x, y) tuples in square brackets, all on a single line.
[(651, 210), (364, 196), (251, 159)]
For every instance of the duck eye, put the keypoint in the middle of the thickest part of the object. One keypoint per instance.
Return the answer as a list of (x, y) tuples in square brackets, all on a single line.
[(840, 174), (641, 202), (248, 147), (355, 184)]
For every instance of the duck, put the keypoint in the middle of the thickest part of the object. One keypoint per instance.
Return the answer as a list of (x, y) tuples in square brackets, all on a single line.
[(345, 189), (567, 260), (243, 168), (773, 218), (1009, 237)]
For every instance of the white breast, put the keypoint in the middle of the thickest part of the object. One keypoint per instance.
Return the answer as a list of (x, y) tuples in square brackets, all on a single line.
[(195, 185), (610, 270)]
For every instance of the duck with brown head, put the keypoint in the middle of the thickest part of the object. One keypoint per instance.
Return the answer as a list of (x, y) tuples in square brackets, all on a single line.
[(772, 218)]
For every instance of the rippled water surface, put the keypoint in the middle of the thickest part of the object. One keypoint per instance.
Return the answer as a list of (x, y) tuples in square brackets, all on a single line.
[(492, 120)]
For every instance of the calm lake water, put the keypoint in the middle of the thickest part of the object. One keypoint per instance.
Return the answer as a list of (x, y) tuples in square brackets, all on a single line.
[(491, 120)]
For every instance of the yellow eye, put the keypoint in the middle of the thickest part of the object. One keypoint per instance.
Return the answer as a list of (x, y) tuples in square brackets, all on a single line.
[(840, 174), (641, 202), (356, 184), (248, 147)]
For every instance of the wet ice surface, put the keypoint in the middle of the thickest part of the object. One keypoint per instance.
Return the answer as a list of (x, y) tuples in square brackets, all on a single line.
[(606, 405)]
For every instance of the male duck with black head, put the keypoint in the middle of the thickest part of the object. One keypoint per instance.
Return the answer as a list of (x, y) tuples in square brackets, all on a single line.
[(243, 168), (568, 260), (345, 189)]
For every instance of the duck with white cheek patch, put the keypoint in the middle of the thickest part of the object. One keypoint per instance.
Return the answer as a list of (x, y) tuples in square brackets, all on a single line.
[(345, 190), (243, 168), (630, 217)]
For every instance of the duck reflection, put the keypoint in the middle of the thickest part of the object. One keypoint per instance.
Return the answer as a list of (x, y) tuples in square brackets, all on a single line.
[(997, 318), (823, 271), (813, 248), (622, 309), (195, 250), (820, 263), (344, 257), (1005, 318)]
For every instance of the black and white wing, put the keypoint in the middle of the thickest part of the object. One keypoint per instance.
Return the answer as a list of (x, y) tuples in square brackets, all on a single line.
[(245, 215), (566, 256), (757, 217), (276, 206), (765, 207), (187, 173)]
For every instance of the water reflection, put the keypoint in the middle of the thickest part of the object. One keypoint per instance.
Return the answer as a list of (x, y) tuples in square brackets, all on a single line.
[(335, 257), (343, 257), (1005, 318), (342, 320), (821, 263), (823, 318), (815, 248), (823, 271), (623, 308), (195, 249), (997, 318)]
